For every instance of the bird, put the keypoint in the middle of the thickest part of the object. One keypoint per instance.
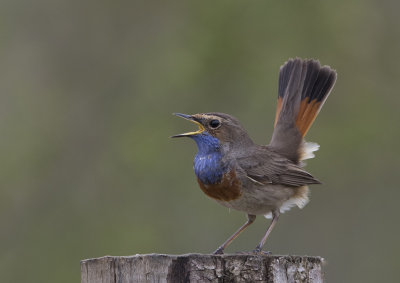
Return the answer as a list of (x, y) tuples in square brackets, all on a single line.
[(263, 179)]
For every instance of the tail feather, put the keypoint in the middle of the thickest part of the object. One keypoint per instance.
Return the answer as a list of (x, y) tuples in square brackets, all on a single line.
[(303, 88), (317, 85)]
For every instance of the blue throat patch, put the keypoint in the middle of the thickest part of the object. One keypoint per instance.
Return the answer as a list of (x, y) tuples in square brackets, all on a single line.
[(207, 163)]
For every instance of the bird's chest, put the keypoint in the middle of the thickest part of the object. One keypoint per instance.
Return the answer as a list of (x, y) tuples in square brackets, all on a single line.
[(215, 178), (209, 167)]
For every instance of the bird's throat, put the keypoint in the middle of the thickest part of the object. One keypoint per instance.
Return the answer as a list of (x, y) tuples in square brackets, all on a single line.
[(208, 165)]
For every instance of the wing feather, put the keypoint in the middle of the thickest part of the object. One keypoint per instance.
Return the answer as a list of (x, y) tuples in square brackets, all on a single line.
[(267, 167)]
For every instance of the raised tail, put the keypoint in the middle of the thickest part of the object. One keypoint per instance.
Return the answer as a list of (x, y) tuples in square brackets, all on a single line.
[(304, 86)]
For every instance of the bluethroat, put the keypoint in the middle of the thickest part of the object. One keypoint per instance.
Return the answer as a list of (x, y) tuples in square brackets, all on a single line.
[(263, 179)]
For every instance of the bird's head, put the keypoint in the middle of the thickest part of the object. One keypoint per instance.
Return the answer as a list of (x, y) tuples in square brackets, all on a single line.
[(215, 130)]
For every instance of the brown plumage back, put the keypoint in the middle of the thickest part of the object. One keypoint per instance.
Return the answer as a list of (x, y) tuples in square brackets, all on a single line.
[(303, 88)]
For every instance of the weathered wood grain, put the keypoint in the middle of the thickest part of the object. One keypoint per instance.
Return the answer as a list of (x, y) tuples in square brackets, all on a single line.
[(202, 268)]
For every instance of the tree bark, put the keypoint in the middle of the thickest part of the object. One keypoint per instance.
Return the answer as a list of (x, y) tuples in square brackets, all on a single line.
[(202, 268)]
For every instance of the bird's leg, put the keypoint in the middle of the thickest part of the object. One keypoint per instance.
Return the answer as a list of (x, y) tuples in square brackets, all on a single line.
[(275, 216), (250, 219)]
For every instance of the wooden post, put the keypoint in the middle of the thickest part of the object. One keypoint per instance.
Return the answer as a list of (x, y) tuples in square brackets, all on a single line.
[(202, 268)]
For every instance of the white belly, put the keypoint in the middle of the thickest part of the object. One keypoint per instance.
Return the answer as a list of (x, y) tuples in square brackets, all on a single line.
[(261, 200)]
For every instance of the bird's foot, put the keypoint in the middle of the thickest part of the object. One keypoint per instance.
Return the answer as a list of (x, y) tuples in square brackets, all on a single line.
[(259, 251), (219, 251)]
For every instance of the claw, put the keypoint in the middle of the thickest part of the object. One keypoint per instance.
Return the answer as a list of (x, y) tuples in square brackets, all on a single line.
[(219, 251), (258, 251)]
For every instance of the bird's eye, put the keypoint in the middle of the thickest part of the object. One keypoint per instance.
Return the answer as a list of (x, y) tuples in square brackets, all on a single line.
[(214, 123)]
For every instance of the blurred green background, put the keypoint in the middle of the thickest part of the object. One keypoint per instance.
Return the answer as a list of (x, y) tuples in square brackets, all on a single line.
[(87, 89)]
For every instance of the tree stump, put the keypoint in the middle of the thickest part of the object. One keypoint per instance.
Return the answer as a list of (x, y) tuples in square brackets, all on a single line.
[(202, 268)]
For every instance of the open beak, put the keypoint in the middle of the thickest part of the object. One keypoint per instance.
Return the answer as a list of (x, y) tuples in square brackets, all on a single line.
[(193, 120)]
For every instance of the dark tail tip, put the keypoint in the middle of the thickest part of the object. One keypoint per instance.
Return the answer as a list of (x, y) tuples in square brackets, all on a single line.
[(318, 80)]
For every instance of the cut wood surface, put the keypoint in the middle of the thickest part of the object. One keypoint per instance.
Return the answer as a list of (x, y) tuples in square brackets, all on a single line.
[(202, 268)]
